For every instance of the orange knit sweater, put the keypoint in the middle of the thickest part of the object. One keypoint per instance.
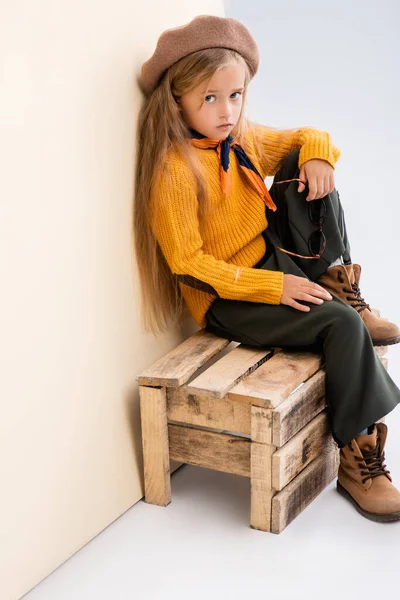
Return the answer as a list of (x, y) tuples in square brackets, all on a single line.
[(219, 262)]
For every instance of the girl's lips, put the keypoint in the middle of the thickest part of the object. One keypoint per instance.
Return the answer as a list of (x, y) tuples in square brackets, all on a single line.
[(224, 126)]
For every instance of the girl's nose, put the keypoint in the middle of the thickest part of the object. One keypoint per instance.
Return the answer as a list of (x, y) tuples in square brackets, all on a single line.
[(226, 113)]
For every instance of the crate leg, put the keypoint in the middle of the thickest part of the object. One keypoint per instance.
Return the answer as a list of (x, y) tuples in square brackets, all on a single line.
[(154, 421), (261, 469)]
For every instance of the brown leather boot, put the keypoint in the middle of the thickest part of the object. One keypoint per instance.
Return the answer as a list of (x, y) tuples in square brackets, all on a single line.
[(364, 479), (342, 281)]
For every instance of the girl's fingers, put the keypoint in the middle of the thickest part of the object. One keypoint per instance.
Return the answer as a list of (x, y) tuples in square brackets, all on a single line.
[(312, 187), (309, 298), (317, 291), (319, 188), (327, 184), (299, 306)]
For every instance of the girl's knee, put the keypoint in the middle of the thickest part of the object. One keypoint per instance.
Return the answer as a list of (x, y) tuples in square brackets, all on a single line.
[(347, 319)]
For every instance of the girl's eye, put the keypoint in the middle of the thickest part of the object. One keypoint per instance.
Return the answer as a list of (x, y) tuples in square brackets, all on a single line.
[(212, 95)]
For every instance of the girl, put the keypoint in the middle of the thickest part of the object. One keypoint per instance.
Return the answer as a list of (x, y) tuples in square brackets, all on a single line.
[(262, 267)]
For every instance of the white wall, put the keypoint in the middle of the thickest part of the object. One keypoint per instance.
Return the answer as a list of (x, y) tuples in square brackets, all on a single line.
[(71, 338)]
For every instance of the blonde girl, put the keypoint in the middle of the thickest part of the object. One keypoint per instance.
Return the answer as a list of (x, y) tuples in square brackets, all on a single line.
[(261, 267)]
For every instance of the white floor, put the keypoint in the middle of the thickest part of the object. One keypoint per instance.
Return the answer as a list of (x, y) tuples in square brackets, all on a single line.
[(201, 545)]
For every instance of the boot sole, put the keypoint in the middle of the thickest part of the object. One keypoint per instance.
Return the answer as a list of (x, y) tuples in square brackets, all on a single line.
[(388, 342), (369, 515)]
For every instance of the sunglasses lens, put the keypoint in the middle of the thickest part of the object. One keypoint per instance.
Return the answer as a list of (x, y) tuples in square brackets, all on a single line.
[(316, 243), (314, 209)]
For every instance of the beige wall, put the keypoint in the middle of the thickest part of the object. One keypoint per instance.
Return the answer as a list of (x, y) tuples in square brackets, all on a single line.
[(71, 337)]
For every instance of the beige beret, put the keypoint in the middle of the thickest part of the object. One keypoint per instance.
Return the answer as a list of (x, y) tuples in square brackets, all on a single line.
[(204, 31)]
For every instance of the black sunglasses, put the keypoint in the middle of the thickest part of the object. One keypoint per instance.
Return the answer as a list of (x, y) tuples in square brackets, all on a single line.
[(317, 239), (317, 214)]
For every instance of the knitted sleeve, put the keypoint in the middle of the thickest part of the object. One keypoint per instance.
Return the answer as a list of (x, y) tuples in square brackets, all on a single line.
[(275, 144), (173, 216)]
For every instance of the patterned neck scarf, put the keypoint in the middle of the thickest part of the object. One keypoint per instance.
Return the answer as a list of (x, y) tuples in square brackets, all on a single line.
[(222, 147)]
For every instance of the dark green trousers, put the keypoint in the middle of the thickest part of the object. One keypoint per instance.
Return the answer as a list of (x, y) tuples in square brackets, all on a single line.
[(359, 390)]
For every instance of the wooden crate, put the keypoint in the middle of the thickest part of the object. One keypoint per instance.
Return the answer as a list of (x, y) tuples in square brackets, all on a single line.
[(259, 413)]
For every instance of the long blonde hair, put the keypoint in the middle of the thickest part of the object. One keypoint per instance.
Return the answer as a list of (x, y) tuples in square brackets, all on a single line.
[(161, 126)]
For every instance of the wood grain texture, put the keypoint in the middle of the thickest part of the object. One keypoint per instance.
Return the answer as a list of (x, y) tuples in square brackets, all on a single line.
[(260, 467), (224, 374), (300, 451), (297, 495), (274, 397), (218, 451), (298, 409), (178, 365), (261, 425), (272, 383), (156, 462), (208, 412)]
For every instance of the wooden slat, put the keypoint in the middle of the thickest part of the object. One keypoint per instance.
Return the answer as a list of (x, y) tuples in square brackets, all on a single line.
[(293, 499), (224, 374), (156, 463), (276, 379), (303, 405), (177, 366), (218, 451), (208, 412), (261, 424), (298, 409), (261, 489), (300, 451)]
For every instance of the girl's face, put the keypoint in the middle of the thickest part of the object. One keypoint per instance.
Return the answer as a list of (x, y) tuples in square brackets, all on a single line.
[(205, 109)]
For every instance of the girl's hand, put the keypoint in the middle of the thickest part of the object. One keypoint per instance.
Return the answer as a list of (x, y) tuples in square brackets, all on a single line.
[(319, 175), (300, 288)]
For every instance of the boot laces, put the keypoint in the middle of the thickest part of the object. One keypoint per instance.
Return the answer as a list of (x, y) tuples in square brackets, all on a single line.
[(374, 464), (356, 299)]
